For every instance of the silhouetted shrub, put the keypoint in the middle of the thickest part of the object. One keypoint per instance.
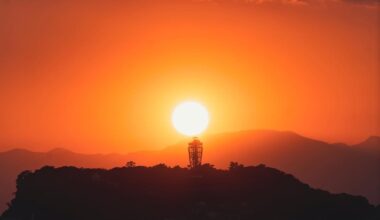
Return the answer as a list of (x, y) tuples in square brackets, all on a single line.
[(235, 166), (130, 164)]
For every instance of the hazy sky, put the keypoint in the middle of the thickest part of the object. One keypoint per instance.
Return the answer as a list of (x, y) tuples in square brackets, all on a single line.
[(104, 76)]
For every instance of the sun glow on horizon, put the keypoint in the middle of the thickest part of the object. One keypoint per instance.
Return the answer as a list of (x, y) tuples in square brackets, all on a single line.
[(190, 118)]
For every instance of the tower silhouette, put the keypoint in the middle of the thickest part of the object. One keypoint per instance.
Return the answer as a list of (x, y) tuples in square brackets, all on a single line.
[(195, 152)]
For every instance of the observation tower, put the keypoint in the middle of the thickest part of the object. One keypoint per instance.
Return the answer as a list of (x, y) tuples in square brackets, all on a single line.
[(195, 152)]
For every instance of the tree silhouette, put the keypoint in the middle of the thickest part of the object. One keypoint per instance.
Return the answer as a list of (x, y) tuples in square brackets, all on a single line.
[(235, 166), (130, 164)]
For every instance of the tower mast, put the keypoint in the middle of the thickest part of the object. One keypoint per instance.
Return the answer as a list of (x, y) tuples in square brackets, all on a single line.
[(195, 152)]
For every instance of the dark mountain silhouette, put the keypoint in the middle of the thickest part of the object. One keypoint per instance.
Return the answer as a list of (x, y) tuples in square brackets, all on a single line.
[(334, 167), (371, 145), (337, 168), (160, 192)]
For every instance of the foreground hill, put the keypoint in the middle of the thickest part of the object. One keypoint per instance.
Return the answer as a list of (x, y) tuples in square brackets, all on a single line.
[(177, 193), (334, 167), (15, 161)]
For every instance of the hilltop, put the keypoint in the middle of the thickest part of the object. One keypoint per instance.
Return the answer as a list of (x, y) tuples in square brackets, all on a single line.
[(161, 192)]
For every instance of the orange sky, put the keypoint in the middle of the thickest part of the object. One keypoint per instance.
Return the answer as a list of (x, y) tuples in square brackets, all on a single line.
[(104, 76)]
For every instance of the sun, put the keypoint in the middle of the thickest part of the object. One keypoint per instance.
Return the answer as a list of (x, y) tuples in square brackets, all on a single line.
[(190, 118)]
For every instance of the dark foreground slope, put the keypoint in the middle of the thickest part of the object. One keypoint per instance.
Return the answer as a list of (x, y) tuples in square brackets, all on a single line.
[(176, 193)]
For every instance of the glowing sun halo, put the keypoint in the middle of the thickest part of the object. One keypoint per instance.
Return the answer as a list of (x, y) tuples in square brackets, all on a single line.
[(190, 118)]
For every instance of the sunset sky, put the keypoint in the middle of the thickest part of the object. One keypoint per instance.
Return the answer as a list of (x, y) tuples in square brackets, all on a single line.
[(98, 76)]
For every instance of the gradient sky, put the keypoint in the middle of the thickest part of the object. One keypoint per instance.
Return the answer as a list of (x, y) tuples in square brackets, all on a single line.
[(104, 76)]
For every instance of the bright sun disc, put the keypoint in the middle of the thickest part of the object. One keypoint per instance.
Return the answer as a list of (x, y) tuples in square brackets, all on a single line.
[(190, 118)]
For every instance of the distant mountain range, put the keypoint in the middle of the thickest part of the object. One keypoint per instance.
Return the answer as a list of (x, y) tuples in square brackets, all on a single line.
[(353, 169)]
